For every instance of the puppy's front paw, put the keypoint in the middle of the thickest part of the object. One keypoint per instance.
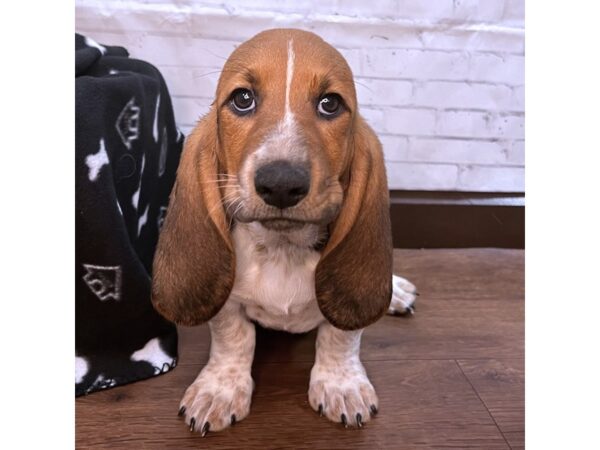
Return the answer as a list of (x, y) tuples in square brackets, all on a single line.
[(343, 394), (404, 296), (220, 396)]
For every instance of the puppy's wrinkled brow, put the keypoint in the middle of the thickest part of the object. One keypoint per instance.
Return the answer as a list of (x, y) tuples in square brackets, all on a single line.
[(323, 86), (249, 77)]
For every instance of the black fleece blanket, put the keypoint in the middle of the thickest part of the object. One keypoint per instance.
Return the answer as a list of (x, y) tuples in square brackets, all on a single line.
[(127, 149)]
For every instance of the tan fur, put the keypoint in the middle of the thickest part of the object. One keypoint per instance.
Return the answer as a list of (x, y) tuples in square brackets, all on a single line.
[(194, 263), (219, 258), (354, 277)]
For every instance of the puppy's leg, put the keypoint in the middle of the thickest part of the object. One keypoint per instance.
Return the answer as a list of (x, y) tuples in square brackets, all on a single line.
[(222, 392), (404, 296), (339, 387)]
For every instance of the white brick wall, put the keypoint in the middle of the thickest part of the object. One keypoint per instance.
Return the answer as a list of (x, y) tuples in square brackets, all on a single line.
[(442, 82)]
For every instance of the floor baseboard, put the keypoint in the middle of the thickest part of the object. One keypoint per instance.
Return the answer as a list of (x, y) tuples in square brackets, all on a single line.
[(436, 219)]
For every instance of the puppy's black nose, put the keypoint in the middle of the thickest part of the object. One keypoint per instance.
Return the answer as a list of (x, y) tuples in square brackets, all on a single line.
[(281, 183)]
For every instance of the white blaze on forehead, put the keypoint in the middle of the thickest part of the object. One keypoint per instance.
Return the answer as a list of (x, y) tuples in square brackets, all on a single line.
[(288, 79), (283, 142)]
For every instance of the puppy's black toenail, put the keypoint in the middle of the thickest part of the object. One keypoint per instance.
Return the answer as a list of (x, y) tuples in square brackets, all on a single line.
[(417, 294), (233, 419), (344, 421), (359, 420), (320, 409), (192, 424), (181, 411), (205, 429), (374, 410)]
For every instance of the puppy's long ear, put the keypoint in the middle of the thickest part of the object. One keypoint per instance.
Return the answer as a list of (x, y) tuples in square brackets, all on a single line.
[(194, 262), (353, 279)]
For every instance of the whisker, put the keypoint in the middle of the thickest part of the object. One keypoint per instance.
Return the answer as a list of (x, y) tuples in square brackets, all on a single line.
[(364, 85), (239, 207), (230, 204), (231, 196), (230, 224), (214, 54), (226, 198), (221, 179), (207, 73), (223, 183), (223, 176), (213, 209), (241, 204), (215, 71), (235, 189)]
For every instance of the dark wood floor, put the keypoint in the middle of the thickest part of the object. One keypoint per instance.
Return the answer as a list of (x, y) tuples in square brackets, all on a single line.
[(452, 376)]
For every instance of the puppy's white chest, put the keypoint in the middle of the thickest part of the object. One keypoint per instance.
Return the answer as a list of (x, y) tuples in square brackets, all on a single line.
[(275, 279)]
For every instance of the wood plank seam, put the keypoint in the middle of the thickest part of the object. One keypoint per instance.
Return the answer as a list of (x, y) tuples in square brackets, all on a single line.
[(483, 403)]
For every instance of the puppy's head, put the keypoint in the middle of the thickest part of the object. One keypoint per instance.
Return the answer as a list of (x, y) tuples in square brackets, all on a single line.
[(286, 109), (283, 145)]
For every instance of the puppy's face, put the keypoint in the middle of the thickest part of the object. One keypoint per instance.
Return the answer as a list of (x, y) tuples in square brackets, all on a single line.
[(286, 107)]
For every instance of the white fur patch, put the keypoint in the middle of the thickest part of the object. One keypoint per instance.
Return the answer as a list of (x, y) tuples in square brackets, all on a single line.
[(339, 387), (284, 142), (288, 79), (404, 295), (223, 389), (275, 276)]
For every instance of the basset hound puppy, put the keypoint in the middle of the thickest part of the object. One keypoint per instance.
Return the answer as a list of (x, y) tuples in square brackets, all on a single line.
[(280, 215)]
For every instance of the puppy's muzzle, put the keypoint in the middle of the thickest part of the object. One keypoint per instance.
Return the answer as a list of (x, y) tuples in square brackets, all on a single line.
[(281, 183)]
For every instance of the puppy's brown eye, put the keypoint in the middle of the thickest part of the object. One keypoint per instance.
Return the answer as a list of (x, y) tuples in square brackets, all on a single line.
[(330, 105), (242, 101)]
